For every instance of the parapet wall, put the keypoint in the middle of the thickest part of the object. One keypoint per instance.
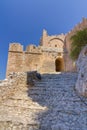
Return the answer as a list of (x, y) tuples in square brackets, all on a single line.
[(42, 58), (16, 47), (80, 26), (33, 58), (20, 61), (32, 48)]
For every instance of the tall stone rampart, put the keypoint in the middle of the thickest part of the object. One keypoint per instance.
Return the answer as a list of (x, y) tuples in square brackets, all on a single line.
[(80, 26), (44, 56), (20, 61), (39, 58)]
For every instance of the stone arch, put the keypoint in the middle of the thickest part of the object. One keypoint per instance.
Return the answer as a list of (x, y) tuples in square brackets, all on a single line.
[(59, 64), (56, 39), (56, 42)]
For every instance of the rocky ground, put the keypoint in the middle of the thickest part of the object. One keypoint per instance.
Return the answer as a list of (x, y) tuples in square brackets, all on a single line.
[(51, 103)]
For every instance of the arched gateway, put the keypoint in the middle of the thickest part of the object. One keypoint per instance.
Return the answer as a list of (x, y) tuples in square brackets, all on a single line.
[(59, 64)]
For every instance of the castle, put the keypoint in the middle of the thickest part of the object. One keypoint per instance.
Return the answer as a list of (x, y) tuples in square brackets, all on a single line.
[(52, 55), (52, 103)]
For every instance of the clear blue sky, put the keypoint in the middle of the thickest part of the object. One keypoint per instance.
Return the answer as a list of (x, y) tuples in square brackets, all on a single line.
[(23, 21)]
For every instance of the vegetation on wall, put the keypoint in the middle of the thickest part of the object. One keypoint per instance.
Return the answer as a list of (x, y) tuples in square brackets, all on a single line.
[(79, 40)]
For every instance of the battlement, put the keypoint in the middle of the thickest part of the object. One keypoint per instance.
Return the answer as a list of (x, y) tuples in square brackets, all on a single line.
[(44, 56), (79, 26), (16, 47), (32, 48)]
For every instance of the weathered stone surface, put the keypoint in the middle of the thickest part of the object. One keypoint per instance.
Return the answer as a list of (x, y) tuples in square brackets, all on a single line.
[(80, 26), (43, 57), (36, 58), (51, 104), (81, 84)]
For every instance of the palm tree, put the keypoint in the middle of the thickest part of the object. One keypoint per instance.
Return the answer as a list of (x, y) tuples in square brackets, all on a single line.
[(79, 40)]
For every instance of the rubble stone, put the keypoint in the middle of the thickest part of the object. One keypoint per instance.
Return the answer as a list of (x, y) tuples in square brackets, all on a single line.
[(51, 104)]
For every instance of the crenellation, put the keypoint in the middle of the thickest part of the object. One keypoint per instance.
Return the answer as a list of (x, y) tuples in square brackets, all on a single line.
[(30, 48), (39, 92), (79, 26), (37, 57), (33, 49), (16, 47), (84, 20)]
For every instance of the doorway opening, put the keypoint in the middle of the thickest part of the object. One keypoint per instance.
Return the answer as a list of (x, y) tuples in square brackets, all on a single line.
[(59, 65)]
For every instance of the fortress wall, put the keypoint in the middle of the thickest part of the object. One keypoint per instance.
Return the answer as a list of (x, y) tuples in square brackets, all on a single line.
[(70, 65), (21, 61), (34, 58), (48, 64), (15, 58), (41, 58), (33, 61), (15, 62), (78, 27)]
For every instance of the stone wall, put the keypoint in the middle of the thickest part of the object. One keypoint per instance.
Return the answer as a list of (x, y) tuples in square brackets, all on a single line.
[(33, 58), (70, 65), (20, 61), (16, 47), (9, 86), (52, 41), (15, 105), (42, 58)]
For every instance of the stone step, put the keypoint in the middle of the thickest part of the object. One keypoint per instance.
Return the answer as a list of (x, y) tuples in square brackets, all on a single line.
[(45, 92), (57, 79), (66, 75), (51, 104), (53, 85)]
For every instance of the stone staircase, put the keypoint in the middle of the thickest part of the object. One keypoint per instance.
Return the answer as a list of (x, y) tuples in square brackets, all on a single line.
[(51, 104)]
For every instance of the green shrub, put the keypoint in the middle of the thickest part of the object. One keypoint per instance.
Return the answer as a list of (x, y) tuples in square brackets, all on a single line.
[(79, 40)]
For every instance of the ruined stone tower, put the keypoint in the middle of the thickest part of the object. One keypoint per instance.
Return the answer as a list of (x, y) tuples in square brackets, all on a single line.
[(52, 54)]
